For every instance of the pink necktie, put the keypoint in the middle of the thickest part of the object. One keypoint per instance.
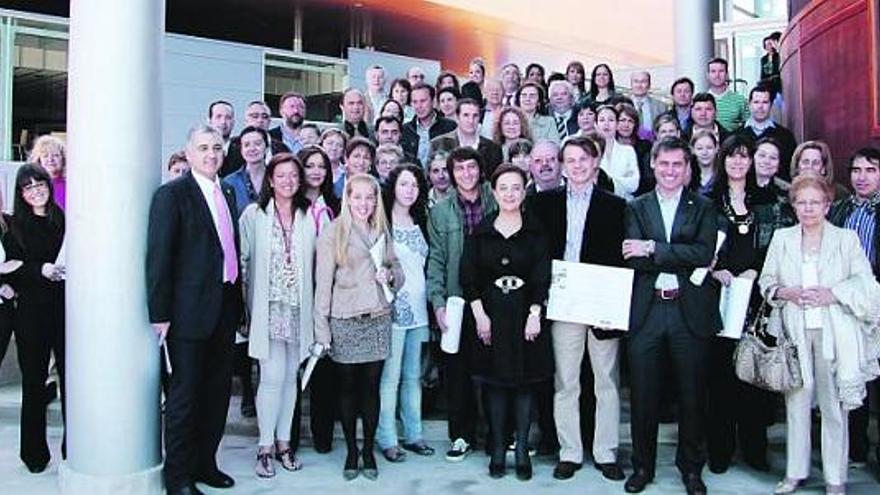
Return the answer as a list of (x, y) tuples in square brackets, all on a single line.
[(227, 238)]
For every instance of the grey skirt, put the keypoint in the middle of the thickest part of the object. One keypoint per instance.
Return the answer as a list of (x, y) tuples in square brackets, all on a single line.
[(360, 339)]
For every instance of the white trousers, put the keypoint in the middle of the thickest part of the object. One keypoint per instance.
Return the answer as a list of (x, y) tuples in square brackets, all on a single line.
[(818, 380), (276, 395), (569, 342)]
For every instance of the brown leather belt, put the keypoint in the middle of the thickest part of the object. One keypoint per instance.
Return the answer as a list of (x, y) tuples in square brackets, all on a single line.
[(667, 294)]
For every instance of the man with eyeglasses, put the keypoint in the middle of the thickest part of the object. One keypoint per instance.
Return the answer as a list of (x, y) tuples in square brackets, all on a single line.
[(859, 212)]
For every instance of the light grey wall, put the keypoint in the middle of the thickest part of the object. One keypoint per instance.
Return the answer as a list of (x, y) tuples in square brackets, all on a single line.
[(395, 66), (196, 72)]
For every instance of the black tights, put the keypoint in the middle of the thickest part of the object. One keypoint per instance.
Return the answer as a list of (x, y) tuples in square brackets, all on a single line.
[(359, 395), (500, 401)]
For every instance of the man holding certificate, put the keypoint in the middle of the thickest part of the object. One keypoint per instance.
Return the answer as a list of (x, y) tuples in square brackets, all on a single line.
[(584, 225), (669, 233)]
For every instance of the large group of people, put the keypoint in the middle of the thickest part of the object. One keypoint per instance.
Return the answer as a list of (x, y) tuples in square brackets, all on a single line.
[(342, 247)]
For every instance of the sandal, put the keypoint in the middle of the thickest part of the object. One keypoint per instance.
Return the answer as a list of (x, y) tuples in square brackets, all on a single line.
[(394, 454), (288, 461), (787, 485), (420, 448), (264, 468)]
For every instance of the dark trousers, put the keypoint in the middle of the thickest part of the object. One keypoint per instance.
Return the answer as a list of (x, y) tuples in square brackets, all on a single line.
[(243, 368), (462, 401), (198, 397), (7, 314), (323, 407), (736, 410), (859, 443), (40, 332), (587, 402), (543, 404), (664, 330)]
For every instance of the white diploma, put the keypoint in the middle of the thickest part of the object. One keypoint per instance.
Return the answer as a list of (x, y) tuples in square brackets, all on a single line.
[(733, 305), (377, 252), (699, 274), (594, 295), (61, 259)]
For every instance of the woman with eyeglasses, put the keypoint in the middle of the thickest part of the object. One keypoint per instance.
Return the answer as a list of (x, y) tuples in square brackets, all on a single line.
[(37, 234), (820, 283)]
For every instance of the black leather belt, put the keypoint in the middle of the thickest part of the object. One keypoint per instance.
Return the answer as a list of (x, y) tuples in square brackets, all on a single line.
[(667, 294)]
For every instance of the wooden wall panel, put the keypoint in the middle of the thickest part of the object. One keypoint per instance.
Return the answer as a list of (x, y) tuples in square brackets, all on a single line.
[(828, 68)]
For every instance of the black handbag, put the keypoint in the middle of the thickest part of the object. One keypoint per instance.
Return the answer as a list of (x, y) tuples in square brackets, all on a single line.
[(776, 368)]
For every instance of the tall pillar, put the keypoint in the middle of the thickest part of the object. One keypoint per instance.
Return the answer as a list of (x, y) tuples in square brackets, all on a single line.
[(694, 42), (114, 164)]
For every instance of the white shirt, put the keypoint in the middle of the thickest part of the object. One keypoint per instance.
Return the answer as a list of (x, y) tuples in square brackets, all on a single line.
[(207, 187), (668, 207), (622, 166), (576, 208), (411, 301)]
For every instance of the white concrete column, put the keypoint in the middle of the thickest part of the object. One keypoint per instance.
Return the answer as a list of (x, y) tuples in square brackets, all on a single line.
[(114, 163), (694, 44)]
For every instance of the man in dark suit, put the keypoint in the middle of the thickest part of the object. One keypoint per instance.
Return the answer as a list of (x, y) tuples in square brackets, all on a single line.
[(584, 224), (425, 125), (563, 108), (761, 124), (670, 233), (195, 305), (468, 134)]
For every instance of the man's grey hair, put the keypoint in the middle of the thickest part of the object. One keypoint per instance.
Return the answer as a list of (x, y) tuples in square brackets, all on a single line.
[(201, 129), (567, 85), (546, 142)]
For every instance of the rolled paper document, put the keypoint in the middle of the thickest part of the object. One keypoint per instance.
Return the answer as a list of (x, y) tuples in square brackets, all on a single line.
[(377, 252), (450, 339), (699, 274), (316, 352)]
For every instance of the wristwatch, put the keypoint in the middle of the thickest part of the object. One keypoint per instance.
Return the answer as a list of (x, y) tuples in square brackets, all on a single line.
[(649, 248), (535, 311)]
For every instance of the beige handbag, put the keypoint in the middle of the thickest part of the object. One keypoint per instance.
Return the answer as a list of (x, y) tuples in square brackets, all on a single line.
[(775, 368)]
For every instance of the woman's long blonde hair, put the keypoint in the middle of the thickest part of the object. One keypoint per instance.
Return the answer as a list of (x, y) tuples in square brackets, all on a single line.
[(378, 221)]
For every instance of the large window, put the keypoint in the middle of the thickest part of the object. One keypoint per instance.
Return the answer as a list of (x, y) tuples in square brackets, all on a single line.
[(320, 79)]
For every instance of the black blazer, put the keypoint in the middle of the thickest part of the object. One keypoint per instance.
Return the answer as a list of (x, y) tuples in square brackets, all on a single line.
[(603, 229), (694, 231), (489, 151), (409, 138), (185, 260)]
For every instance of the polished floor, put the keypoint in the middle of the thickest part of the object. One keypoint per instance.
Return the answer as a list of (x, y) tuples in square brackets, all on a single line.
[(322, 474)]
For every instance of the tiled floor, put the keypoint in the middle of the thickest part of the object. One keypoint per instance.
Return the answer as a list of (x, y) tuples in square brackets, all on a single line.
[(322, 474)]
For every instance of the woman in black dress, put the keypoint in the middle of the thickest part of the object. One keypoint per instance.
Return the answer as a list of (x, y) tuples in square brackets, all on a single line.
[(37, 232), (739, 412), (505, 275)]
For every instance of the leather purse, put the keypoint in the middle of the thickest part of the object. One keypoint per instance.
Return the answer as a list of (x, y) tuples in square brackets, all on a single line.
[(776, 368)]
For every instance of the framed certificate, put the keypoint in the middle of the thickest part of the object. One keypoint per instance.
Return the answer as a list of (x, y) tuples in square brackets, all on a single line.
[(594, 295)]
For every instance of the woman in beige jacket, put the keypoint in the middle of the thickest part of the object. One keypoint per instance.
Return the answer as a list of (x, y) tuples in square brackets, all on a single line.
[(820, 282), (353, 310), (277, 252)]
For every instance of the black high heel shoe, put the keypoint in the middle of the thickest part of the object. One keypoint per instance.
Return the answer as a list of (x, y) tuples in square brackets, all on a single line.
[(371, 472), (350, 471), (497, 467)]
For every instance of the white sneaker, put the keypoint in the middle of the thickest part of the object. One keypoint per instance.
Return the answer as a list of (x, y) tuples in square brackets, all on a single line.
[(460, 449)]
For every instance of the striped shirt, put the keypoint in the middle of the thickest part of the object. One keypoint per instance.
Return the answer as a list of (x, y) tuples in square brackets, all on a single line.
[(862, 219)]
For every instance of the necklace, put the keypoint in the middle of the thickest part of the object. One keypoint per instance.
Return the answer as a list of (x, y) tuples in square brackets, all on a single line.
[(742, 222), (288, 271)]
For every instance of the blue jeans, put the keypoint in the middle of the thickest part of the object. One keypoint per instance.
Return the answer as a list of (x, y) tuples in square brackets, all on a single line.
[(402, 372)]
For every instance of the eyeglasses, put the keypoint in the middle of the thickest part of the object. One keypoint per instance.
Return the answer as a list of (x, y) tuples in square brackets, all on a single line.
[(35, 186), (259, 115), (809, 204)]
